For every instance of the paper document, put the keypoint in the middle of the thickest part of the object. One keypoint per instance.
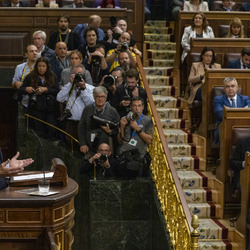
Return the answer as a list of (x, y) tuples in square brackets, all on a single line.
[(33, 176)]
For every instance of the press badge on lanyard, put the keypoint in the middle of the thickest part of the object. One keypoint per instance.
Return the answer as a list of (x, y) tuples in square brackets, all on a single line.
[(132, 141)]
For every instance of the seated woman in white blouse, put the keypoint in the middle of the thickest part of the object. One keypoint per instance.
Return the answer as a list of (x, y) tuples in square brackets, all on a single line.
[(198, 29), (195, 5)]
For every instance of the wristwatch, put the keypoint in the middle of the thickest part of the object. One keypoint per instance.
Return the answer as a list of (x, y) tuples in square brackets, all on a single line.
[(139, 131)]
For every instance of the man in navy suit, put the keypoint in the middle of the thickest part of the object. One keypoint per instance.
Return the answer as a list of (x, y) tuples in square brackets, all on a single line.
[(16, 3), (243, 62), (229, 99), (11, 167)]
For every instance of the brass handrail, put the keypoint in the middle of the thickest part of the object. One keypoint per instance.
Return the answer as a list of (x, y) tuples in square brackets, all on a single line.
[(72, 139), (170, 193)]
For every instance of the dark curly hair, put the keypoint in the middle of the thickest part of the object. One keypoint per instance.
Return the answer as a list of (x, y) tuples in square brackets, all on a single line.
[(49, 75)]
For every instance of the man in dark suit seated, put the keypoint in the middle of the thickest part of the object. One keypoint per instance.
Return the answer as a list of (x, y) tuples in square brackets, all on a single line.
[(237, 162), (226, 5), (11, 167), (230, 99), (243, 62), (16, 3)]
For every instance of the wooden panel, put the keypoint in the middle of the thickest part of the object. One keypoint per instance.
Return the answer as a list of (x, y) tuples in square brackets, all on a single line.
[(245, 191), (20, 216)]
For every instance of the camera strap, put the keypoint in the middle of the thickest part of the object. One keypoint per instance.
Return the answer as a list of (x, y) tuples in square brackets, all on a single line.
[(133, 133), (70, 95)]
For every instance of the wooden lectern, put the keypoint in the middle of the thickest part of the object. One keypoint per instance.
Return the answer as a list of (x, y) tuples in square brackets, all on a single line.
[(35, 222)]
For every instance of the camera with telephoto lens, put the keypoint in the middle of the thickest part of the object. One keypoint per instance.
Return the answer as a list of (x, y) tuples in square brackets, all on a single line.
[(124, 47), (96, 60), (78, 78), (65, 115), (103, 122), (131, 116), (109, 81)]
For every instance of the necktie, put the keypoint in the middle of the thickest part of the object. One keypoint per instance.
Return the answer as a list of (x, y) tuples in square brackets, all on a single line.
[(233, 103)]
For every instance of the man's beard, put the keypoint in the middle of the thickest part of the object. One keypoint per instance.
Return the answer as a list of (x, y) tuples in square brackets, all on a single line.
[(125, 66), (63, 28)]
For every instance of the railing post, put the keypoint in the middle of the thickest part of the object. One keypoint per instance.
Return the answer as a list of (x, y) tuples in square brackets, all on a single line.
[(195, 235)]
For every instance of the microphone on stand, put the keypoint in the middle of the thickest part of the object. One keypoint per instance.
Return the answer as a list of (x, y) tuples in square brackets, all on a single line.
[(41, 154)]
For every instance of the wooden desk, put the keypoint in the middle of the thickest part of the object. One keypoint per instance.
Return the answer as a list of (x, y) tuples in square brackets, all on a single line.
[(34, 222)]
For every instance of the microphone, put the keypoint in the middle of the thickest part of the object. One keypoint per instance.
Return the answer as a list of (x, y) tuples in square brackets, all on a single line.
[(41, 154)]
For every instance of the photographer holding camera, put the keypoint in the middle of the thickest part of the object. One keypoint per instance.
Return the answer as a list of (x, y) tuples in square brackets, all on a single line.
[(135, 134), (106, 165), (112, 81), (123, 45), (97, 64), (124, 93), (77, 94), (117, 28), (99, 123)]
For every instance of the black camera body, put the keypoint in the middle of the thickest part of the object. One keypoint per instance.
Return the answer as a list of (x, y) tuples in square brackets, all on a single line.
[(102, 158), (109, 81), (65, 115), (124, 46), (131, 116), (78, 78), (96, 60)]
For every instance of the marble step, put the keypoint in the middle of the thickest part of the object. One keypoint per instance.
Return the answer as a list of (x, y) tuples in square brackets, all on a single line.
[(157, 30), (166, 101), (212, 229), (182, 150), (205, 210), (175, 123), (218, 245), (192, 179), (200, 195), (159, 37), (159, 63), (184, 163), (159, 45), (158, 71), (160, 54), (157, 23), (177, 136), (159, 80), (173, 113), (165, 90)]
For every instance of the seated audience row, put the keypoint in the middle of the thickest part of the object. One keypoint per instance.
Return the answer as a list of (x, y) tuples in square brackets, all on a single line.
[(200, 29), (75, 4)]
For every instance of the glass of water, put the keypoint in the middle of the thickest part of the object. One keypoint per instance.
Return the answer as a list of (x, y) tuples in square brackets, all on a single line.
[(43, 186)]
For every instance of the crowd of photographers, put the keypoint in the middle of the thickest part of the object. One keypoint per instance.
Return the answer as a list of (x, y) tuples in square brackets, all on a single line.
[(92, 92)]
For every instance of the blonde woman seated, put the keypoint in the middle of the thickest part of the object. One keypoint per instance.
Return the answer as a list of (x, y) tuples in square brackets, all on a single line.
[(46, 4), (195, 5), (197, 72), (198, 29), (235, 29)]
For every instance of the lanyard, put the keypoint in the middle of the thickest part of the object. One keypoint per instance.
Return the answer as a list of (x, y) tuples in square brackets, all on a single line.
[(133, 133), (23, 75)]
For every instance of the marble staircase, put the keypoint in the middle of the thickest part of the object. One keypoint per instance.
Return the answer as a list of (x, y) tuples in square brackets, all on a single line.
[(203, 192)]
